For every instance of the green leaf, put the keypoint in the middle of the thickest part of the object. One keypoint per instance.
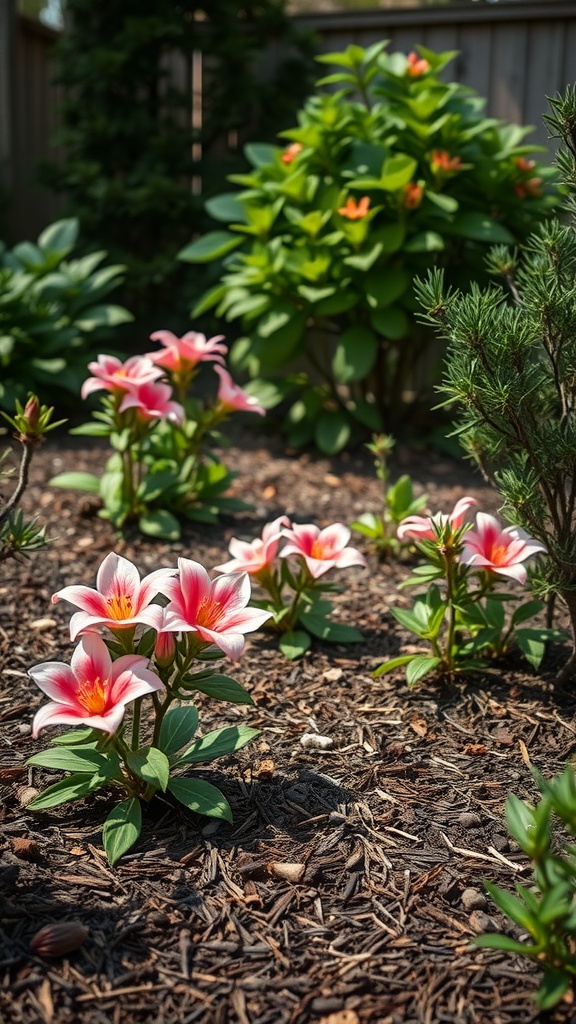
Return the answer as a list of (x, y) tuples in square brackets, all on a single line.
[(227, 208), (160, 523), (392, 322), (224, 688), (331, 632), (481, 228), (75, 759), (510, 905), (425, 241), (419, 667), (355, 355), (526, 611), (294, 643), (532, 643), (60, 237), (218, 743), (91, 430), (388, 666), (552, 987), (72, 788), (260, 154), (332, 432), (177, 729), (201, 797), (151, 765), (386, 286), (121, 828), (103, 316), (491, 941), (77, 481), (364, 261), (81, 735), (210, 247)]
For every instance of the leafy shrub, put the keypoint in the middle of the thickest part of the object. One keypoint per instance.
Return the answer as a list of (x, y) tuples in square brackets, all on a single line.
[(393, 172), (51, 310)]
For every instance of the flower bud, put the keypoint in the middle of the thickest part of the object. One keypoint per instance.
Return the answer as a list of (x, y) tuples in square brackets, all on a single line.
[(164, 649), (59, 938)]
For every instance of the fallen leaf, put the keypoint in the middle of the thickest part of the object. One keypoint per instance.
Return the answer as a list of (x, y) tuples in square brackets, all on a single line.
[(475, 749), (26, 849), (419, 725)]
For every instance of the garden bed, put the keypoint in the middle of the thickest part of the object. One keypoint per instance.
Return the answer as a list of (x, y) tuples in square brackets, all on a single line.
[(349, 888)]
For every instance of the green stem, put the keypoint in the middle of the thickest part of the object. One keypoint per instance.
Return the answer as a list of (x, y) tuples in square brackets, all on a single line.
[(137, 711)]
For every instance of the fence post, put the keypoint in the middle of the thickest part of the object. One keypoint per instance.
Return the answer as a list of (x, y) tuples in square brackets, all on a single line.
[(7, 49)]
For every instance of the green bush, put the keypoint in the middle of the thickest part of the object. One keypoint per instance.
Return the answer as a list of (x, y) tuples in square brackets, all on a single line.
[(395, 171), (52, 312)]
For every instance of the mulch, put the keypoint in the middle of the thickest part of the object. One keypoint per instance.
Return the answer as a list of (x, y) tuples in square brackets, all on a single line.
[(349, 888)]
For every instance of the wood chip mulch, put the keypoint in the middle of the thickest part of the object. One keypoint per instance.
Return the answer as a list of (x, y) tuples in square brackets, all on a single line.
[(349, 888)]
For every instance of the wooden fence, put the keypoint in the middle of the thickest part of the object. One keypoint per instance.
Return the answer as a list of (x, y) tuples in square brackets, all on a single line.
[(513, 54)]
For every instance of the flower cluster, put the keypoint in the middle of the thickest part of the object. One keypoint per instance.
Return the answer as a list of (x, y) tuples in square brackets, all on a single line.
[(294, 601), (158, 472), (139, 638), (466, 618)]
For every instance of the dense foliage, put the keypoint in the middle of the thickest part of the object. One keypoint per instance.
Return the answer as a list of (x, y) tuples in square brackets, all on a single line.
[(53, 308), (136, 150), (393, 172)]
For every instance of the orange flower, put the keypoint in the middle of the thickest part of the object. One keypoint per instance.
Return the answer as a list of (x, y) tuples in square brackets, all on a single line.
[(532, 187), (354, 210), (442, 161), (416, 65), (524, 165), (291, 152), (412, 195)]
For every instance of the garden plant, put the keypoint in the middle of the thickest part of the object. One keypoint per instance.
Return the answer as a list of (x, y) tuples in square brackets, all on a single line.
[(163, 652), (390, 169), (461, 615), (509, 372), (53, 309), (20, 535), (296, 599), (163, 468), (398, 501), (545, 912)]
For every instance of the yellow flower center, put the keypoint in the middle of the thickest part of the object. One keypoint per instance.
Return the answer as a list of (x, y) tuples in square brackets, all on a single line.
[(209, 612), (498, 554), (120, 607), (92, 694), (317, 550)]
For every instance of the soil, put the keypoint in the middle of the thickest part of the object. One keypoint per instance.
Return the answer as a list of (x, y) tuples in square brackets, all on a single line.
[(349, 888)]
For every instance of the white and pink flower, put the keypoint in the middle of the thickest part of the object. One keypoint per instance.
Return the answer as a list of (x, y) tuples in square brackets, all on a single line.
[(93, 690), (257, 555), (498, 549), (233, 398), (422, 527), (121, 599), (111, 374), (153, 401), (321, 549), (215, 610), (180, 355)]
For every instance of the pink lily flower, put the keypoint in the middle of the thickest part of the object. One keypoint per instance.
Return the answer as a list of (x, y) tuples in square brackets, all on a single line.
[(93, 690), (258, 554), (121, 599), (152, 401), (321, 549), (422, 528), (216, 610), (233, 398), (500, 550), (111, 374), (180, 355)]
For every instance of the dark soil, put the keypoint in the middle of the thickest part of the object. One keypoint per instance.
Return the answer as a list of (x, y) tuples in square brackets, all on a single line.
[(385, 833)]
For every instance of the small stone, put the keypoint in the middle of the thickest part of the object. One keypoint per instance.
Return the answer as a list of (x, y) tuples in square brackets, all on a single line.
[(473, 899), (45, 623), (468, 819), (480, 922), (501, 843)]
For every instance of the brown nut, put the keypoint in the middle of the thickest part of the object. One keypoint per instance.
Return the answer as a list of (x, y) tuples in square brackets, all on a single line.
[(59, 938)]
